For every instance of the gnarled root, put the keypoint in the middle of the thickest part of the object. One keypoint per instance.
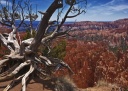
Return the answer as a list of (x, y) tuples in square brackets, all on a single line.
[(23, 77), (8, 71), (45, 70), (26, 76), (13, 82), (16, 70), (3, 61)]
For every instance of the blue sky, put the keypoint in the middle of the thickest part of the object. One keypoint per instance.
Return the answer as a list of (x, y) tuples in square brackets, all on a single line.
[(97, 10), (106, 10)]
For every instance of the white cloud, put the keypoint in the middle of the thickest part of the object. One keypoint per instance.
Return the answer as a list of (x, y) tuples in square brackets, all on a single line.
[(113, 10), (115, 2), (119, 7), (4, 2), (112, 7)]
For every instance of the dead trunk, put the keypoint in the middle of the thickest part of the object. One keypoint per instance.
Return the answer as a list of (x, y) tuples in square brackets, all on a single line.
[(43, 25)]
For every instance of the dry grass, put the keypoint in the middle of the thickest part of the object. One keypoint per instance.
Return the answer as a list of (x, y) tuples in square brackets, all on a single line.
[(65, 84), (104, 83), (104, 86)]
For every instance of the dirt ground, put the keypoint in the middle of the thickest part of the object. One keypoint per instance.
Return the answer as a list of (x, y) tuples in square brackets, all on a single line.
[(33, 85), (37, 84)]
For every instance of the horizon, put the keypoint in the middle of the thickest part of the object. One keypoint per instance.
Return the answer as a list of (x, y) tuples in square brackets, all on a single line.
[(90, 20)]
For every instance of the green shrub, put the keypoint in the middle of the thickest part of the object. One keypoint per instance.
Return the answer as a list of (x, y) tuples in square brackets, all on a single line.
[(28, 34), (57, 52)]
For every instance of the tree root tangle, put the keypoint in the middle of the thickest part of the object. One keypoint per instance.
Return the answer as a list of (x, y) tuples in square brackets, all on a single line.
[(44, 70)]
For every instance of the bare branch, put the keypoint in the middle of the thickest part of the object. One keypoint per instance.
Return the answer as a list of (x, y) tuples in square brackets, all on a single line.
[(22, 14), (79, 12), (43, 13), (43, 25)]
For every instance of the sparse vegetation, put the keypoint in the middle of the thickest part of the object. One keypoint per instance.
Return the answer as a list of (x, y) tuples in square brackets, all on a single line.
[(59, 50)]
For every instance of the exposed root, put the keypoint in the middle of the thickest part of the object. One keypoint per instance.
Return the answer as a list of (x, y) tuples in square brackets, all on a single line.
[(9, 70), (48, 65), (25, 77), (13, 82), (1, 64), (3, 61), (13, 73), (46, 60)]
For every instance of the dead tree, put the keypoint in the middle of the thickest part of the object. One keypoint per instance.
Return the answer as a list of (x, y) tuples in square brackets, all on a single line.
[(25, 54), (31, 16), (19, 11), (10, 13)]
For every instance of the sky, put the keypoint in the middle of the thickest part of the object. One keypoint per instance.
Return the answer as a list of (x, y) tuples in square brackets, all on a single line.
[(97, 10), (106, 10)]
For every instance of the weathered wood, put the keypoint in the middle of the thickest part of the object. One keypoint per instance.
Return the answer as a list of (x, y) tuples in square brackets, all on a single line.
[(24, 46), (46, 60), (9, 70), (3, 61), (13, 73), (25, 77), (13, 40), (5, 42), (13, 82), (43, 25)]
